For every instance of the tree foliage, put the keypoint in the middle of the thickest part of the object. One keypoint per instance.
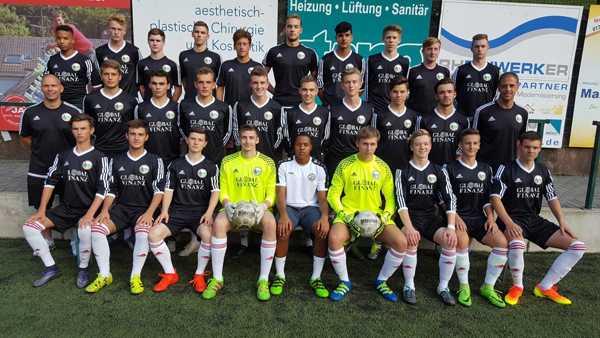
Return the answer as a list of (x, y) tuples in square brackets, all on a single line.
[(11, 23)]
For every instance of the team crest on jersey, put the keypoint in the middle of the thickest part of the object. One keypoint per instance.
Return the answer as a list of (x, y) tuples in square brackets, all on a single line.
[(398, 68), (317, 121), (144, 169), (202, 173), (250, 70), (166, 68), (170, 114), (76, 67), (407, 124), (481, 176), (454, 126), (375, 174), (349, 66), (257, 171), (311, 177), (431, 178), (300, 55), (65, 117), (125, 58), (439, 76), (361, 119), (537, 179), (268, 115), (487, 77), (519, 118), (87, 165), (208, 60), (213, 114), (119, 106)]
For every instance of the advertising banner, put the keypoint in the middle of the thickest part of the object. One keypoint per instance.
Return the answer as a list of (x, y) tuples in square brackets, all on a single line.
[(537, 42)]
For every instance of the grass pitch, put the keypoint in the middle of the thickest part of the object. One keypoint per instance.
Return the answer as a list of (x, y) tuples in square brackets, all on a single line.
[(60, 309)]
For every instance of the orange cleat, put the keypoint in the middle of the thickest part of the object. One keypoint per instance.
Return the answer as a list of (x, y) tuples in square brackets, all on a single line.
[(198, 283), (513, 295), (167, 279), (551, 294)]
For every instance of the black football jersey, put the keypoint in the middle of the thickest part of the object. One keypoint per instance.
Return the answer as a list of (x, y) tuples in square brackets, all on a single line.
[(83, 175), (421, 83), (163, 126), (500, 129), (191, 183), (314, 123), (345, 123), (266, 118), (135, 181), (522, 190), (329, 78), (444, 134), (472, 186), (475, 87), (75, 73), (111, 115), (420, 189), (216, 118), (50, 134), (380, 71), (395, 129), (190, 61), (128, 57), (290, 65), (235, 77), (148, 65)]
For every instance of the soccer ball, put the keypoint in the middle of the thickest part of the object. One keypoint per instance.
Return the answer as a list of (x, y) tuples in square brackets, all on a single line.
[(245, 215), (367, 222)]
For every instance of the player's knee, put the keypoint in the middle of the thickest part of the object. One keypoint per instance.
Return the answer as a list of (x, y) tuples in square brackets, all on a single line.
[(336, 239), (500, 241), (155, 235), (462, 240), (399, 243), (577, 248), (204, 231)]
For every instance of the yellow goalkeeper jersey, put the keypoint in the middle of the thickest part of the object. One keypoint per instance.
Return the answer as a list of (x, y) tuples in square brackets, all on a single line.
[(359, 186), (247, 179)]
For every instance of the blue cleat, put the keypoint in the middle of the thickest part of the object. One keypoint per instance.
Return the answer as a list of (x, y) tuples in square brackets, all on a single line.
[(83, 279), (48, 274), (340, 292), (385, 291)]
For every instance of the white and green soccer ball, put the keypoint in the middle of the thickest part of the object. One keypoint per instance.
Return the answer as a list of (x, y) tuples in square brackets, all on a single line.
[(245, 215), (368, 223)]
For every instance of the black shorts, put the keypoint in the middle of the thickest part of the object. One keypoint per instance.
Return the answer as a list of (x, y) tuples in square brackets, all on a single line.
[(475, 227), (125, 217), (64, 217), (180, 219), (428, 224), (35, 186), (535, 228)]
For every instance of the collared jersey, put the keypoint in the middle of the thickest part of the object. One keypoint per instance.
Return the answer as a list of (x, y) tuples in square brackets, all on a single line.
[(329, 78), (191, 183), (266, 118), (475, 87), (345, 124), (302, 182), (235, 77), (421, 83), (380, 71), (248, 179), (163, 125), (472, 186), (128, 57), (135, 181), (75, 73), (189, 63), (314, 123), (444, 131), (395, 128)]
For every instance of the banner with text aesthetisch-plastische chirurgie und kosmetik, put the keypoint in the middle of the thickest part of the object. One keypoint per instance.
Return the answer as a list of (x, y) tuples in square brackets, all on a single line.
[(537, 42)]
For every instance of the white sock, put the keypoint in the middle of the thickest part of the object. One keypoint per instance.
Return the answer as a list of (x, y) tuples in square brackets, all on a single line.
[(203, 256), (280, 267), (33, 235), (318, 263), (85, 246), (244, 238), (563, 264), (338, 260), (516, 261), (393, 260), (462, 266), (267, 251), (409, 268), (101, 249), (163, 255), (446, 264), (495, 265), (140, 251), (218, 247)]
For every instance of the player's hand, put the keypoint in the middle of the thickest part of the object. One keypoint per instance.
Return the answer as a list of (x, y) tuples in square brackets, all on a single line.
[(145, 219), (322, 227), (86, 221), (490, 226), (565, 229), (162, 218), (102, 218), (514, 230), (412, 235), (284, 226), (450, 237), (37, 217), (460, 223), (207, 219)]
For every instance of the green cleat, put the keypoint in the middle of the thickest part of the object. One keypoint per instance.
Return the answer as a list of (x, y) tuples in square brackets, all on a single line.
[(99, 283), (464, 295), (212, 288), (277, 286), (262, 291), (319, 288), (488, 292), (135, 285)]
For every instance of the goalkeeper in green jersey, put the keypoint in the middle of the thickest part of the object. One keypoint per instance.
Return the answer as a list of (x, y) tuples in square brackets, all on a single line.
[(247, 193), (355, 194)]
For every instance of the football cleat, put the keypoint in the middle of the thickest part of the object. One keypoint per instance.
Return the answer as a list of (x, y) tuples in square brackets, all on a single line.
[(447, 297), (212, 288), (385, 291), (319, 288), (551, 294), (409, 296), (198, 283), (464, 295), (262, 290), (135, 285), (83, 278), (488, 292), (513, 295), (277, 286), (375, 250), (167, 279), (99, 283), (341, 291), (48, 274)]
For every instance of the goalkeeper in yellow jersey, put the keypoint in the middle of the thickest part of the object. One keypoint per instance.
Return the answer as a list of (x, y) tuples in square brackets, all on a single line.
[(355, 194), (247, 193)]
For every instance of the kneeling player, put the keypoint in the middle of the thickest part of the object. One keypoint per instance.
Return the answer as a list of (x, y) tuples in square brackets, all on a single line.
[(471, 183), (191, 196), (302, 201), (363, 179), (136, 189), (419, 186), (84, 173), (248, 184), (517, 199)]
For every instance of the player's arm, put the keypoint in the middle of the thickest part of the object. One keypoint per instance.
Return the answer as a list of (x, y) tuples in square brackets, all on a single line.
[(224, 184), (111, 194), (270, 182), (334, 196), (167, 197), (235, 128), (320, 83), (388, 193), (412, 235), (176, 81), (220, 92), (139, 76), (182, 75), (229, 125), (268, 63), (498, 190), (25, 129), (101, 191), (322, 226), (54, 176), (284, 225), (490, 222), (158, 187), (207, 218), (279, 130)]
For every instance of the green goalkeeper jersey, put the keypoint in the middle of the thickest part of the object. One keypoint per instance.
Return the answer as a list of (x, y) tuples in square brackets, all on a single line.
[(247, 179), (359, 186)]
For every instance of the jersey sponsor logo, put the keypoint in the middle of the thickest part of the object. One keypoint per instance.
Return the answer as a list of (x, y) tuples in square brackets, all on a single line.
[(459, 176), (375, 174), (518, 180), (491, 119), (349, 66), (208, 60), (454, 126), (65, 117), (300, 55), (125, 58), (268, 115), (419, 77), (36, 118), (121, 169), (97, 106), (439, 76), (202, 173), (434, 126), (537, 179), (388, 124), (230, 70), (379, 67), (213, 114), (181, 172), (250, 70), (279, 55), (87, 165), (481, 176), (519, 118), (361, 119), (317, 121), (119, 106), (144, 169), (431, 178), (311, 177), (170, 114), (487, 77), (257, 171), (398, 68), (166, 68), (407, 123), (340, 118), (76, 67)]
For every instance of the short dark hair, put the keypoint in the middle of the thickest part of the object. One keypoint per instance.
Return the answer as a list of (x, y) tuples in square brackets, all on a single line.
[(392, 28), (241, 34), (248, 127), (530, 135), (82, 117), (368, 132), (343, 27), (204, 71), (200, 23), (302, 135), (201, 131), (63, 28), (444, 81), (467, 132), (138, 123), (307, 78), (157, 31), (160, 73), (259, 71), (480, 36), (508, 74), (397, 81)]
